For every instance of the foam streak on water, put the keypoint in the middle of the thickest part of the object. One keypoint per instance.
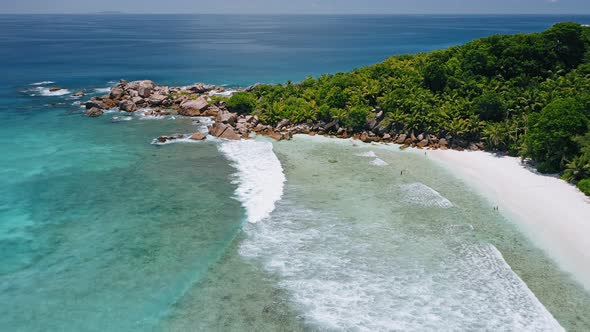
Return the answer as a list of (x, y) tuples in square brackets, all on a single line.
[(421, 194), (102, 90), (259, 176), (369, 154), (339, 280), (46, 92), (379, 162), (42, 83), (376, 160)]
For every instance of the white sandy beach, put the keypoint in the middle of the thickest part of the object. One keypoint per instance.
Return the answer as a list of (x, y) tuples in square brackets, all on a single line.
[(554, 214)]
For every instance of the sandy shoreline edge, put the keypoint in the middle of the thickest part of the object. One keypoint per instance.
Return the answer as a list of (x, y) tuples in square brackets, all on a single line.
[(552, 213)]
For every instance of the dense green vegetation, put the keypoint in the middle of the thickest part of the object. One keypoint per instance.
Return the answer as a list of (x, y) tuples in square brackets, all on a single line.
[(527, 94)]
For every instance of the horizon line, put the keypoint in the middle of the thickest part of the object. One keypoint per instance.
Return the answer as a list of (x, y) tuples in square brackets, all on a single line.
[(296, 14)]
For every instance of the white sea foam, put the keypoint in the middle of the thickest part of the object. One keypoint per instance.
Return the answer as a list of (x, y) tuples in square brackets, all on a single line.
[(341, 280), (227, 93), (42, 83), (376, 161), (421, 194), (379, 162), (203, 121), (259, 176), (103, 90), (142, 114), (369, 154), (111, 110), (46, 92), (121, 118)]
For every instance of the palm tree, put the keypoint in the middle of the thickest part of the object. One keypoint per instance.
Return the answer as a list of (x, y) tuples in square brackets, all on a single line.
[(577, 169), (495, 135)]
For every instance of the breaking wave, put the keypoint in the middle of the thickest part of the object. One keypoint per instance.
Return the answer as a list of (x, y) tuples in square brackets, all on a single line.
[(341, 280), (46, 92), (42, 83), (259, 176), (421, 194)]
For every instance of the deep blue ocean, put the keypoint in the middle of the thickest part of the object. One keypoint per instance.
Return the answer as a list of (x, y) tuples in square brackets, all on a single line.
[(102, 231)]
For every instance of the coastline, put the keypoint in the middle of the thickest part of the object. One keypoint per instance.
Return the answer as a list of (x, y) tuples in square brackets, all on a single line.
[(493, 176), (207, 216), (535, 210), (554, 214), (234, 156)]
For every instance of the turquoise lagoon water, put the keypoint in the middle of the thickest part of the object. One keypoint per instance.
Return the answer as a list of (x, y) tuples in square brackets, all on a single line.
[(102, 230)]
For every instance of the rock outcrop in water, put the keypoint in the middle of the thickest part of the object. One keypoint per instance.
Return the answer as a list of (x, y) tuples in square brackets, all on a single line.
[(94, 112), (199, 100), (198, 136)]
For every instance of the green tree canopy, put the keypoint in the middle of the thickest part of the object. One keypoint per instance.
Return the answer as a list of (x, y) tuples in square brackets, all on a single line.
[(550, 139)]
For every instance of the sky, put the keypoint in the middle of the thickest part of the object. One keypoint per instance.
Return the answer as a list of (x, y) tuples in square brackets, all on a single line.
[(300, 6)]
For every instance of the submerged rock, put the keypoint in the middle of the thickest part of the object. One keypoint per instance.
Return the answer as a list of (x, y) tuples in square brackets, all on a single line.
[(166, 139)]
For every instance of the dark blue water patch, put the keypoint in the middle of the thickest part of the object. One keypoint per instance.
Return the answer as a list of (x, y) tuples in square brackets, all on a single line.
[(227, 49)]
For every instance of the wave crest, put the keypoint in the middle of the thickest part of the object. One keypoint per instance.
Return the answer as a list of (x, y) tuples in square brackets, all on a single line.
[(259, 176), (46, 92), (340, 280), (43, 83), (421, 194)]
